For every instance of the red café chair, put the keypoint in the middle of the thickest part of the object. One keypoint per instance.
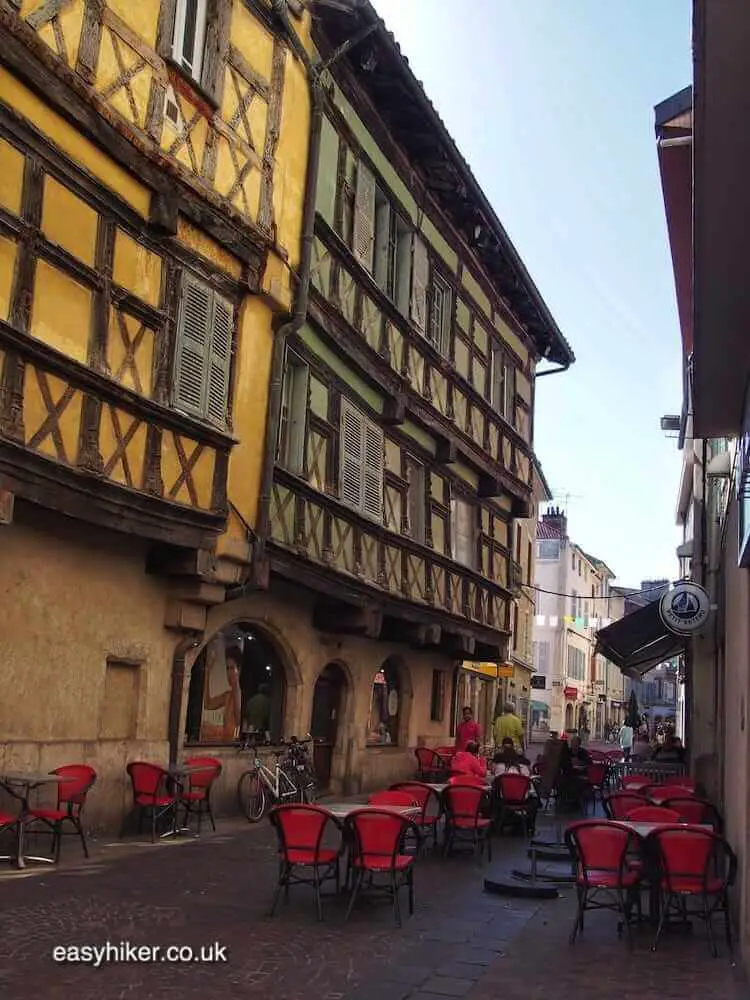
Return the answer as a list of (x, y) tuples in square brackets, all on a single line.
[(430, 765), (391, 798), (653, 814), (8, 822), (512, 791), (698, 864), (620, 804), (376, 839), (605, 876), (680, 779), (71, 798), (699, 812), (597, 775), (196, 797), (429, 803), (300, 830), (150, 795), (463, 801), (659, 794), (634, 782), (462, 778)]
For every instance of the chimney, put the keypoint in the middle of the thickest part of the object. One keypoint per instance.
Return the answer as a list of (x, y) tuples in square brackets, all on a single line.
[(555, 518)]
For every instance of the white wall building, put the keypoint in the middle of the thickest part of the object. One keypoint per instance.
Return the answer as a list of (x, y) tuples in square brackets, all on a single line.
[(572, 590)]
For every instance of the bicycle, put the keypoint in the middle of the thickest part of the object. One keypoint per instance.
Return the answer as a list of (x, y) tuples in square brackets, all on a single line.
[(291, 780)]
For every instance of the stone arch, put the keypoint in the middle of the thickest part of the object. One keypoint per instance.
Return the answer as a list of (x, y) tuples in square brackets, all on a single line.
[(393, 675), (569, 716), (331, 721)]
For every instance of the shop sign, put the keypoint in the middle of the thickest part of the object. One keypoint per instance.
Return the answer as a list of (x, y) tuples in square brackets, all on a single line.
[(505, 670), (539, 682), (685, 609), (570, 692), (485, 669)]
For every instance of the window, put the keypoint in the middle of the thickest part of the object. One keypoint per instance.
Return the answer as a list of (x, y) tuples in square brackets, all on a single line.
[(416, 500), (204, 352), (574, 607), (463, 533), (437, 696), (576, 663), (385, 706), (541, 657), (293, 419), (392, 258), (502, 385), (361, 463), (573, 560), (516, 637), (237, 684), (190, 36), (441, 313), (548, 549)]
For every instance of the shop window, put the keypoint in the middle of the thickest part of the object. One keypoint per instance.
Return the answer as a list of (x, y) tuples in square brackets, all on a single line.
[(237, 685), (385, 706)]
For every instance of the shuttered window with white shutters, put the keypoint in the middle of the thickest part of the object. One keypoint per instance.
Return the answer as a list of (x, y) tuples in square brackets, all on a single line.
[(203, 353), (363, 237), (463, 533), (361, 463)]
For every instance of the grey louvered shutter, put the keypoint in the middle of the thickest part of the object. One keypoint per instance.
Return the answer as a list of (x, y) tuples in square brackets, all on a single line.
[(193, 346), (219, 361), (363, 240), (420, 277), (351, 455), (372, 472)]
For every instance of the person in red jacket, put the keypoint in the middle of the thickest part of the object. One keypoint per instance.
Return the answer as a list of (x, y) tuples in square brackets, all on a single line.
[(468, 731), (469, 762)]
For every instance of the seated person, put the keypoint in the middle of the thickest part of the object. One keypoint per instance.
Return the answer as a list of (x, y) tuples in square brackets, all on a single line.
[(671, 751), (579, 756), (469, 762), (507, 758)]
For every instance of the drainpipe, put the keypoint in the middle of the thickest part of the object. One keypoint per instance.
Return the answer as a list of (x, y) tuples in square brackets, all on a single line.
[(552, 371), (185, 644), (299, 315)]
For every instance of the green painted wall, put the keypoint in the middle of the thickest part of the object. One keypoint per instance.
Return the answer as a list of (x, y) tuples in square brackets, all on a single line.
[(325, 197), (421, 437), (337, 364)]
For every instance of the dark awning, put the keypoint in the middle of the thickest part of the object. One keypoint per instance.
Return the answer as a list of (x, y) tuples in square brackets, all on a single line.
[(639, 641)]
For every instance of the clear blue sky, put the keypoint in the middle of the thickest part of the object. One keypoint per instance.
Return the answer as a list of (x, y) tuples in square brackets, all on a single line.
[(552, 105)]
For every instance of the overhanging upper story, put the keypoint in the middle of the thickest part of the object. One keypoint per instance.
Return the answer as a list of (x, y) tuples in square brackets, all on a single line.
[(144, 248)]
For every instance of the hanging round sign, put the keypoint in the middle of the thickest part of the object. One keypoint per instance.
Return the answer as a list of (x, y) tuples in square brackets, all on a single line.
[(393, 702), (685, 609)]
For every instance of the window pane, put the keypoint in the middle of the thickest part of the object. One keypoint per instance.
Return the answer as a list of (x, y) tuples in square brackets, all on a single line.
[(190, 33)]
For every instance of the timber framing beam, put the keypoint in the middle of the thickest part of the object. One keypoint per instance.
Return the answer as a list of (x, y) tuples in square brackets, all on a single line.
[(32, 62), (366, 621)]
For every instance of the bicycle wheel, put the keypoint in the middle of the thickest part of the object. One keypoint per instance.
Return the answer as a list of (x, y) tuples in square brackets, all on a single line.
[(251, 795), (308, 788)]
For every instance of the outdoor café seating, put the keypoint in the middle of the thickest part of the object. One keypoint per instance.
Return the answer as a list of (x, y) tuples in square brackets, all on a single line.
[(464, 822), (377, 861), (71, 798), (698, 811), (303, 860), (431, 766), (430, 807), (195, 796), (150, 793)]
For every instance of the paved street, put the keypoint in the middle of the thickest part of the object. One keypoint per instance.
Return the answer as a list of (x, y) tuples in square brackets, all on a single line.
[(461, 942)]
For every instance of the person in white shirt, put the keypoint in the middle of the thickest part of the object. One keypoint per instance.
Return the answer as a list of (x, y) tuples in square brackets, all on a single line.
[(626, 740)]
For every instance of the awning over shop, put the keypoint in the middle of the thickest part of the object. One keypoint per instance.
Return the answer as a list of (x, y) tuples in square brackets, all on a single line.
[(490, 670), (639, 641), (540, 706)]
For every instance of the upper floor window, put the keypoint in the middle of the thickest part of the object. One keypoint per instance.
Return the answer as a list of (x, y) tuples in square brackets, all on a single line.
[(549, 548), (441, 311), (293, 418), (361, 463), (464, 533), (190, 35), (502, 384), (203, 352), (416, 507)]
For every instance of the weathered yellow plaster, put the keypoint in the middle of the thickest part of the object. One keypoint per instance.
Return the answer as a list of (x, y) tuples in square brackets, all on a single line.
[(11, 177), (7, 268), (137, 269), (291, 160), (61, 312), (35, 414), (277, 282), (69, 139), (69, 23), (135, 451), (68, 221), (201, 474), (141, 17), (253, 40), (201, 243), (116, 353)]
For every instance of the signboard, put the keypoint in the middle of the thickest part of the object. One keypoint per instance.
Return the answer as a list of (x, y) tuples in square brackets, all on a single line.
[(539, 682), (570, 692), (685, 609), (485, 669), (505, 670)]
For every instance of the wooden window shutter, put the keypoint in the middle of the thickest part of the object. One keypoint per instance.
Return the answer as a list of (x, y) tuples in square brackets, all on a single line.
[(372, 472), (193, 346), (363, 241), (462, 528), (219, 361), (420, 278), (351, 451)]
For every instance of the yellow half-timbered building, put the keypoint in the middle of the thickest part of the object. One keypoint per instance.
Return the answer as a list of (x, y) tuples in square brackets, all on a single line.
[(153, 161)]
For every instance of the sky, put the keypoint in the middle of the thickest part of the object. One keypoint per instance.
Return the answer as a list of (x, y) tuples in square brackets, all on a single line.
[(551, 103)]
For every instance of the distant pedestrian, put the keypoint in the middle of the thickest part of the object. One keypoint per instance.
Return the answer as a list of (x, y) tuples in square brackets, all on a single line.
[(468, 731), (626, 739), (509, 725)]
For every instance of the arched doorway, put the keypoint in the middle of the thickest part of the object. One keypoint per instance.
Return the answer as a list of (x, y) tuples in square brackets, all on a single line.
[(237, 684), (568, 716), (328, 698)]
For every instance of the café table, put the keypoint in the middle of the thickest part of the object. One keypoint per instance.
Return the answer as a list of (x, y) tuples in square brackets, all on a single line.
[(340, 810), (180, 774), (20, 785)]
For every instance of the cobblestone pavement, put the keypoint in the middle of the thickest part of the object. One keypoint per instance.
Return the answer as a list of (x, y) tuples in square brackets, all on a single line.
[(460, 942)]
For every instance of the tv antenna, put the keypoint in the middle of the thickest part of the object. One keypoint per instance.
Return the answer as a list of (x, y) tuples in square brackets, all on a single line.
[(563, 498)]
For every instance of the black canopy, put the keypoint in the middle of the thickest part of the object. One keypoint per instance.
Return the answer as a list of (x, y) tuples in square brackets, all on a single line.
[(639, 641)]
